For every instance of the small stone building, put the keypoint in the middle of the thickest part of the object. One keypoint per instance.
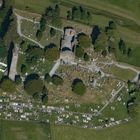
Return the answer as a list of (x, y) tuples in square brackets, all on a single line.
[(68, 44)]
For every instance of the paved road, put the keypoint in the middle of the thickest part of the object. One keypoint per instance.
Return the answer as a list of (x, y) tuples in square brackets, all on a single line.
[(54, 68)]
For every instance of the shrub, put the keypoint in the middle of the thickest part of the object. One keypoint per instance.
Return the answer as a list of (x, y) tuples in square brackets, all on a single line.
[(78, 87), (57, 80)]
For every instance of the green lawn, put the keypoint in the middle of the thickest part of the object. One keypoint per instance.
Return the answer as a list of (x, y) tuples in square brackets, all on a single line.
[(134, 59), (131, 5), (32, 5), (128, 7), (13, 130), (121, 73), (129, 131)]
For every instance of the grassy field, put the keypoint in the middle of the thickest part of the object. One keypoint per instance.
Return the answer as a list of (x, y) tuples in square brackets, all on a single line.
[(131, 5), (127, 131), (134, 59), (32, 5), (127, 6), (126, 15), (29, 29), (121, 73), (12, 130)]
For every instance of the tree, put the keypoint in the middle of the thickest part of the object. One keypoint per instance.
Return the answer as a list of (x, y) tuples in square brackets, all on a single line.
[(44, 96), (18, 79), (84, 15), (52, 32), (48, 78), (23, 69), (95, 33), (76, 13), (34, 51), (56, 21), (8, 85), (5, 21), (57, 10), (78, 87), (112, 25), (86, 57), (52, 54), (23, 45), (104, 53), (43, 22), (36, 96), (84, 41), (89, 17), (69, 15), (39, 34), (34, 86), (79, 51), (79, 13), (3, 49), (53, 16), (129, 52), (101, 42), (56, 80), (122, 46), (133, 110)]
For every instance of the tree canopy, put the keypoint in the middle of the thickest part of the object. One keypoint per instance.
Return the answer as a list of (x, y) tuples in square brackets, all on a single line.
[(3, 49), (34, 86), (18, 79), (84, 41), (86, 57), (33, 53), (52, 53), (101, 42), (79, 13), (8, 85), (56, 80), (23, 69), (52, 32), (79, 51), (78, 87), (48, 78)]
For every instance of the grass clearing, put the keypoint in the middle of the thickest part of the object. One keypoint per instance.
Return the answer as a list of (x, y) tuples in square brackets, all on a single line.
[(32, 5), (29, 29), (103, 9), (127, 131), (134, 59), (93, 95), (14, 130), (123, 74), (115, 7)]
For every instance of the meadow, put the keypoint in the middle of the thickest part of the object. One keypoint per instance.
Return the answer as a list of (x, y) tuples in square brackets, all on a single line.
[(127, 131), (134, 58), (121, 73), (15, 130)]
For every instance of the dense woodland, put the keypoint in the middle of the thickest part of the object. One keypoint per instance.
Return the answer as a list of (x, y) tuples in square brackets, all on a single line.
[(5, 20)]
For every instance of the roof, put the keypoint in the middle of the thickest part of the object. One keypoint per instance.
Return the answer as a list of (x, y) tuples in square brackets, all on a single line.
[(68, 38)]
